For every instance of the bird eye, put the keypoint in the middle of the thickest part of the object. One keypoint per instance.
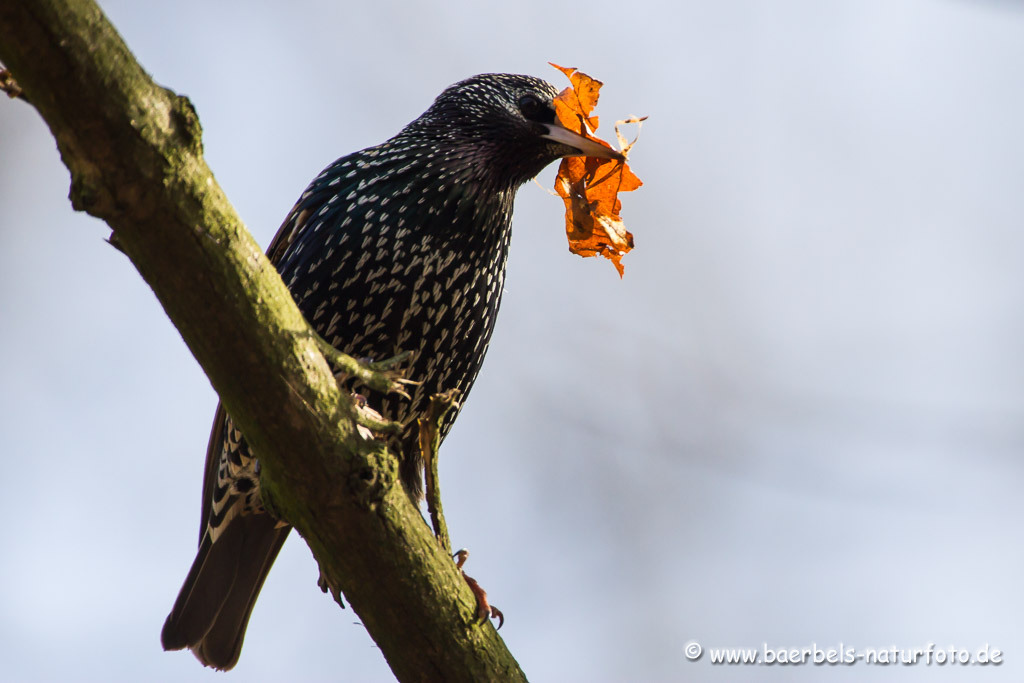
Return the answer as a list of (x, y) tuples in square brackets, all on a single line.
[(534, 109)]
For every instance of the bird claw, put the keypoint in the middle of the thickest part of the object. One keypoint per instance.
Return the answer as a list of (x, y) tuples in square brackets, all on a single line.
[(383, 376), (327, 587), (371, 422), (484, 609), (9, 86), (390, 369)]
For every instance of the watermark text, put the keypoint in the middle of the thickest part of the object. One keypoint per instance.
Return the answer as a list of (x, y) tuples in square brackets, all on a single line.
[(842, 654)]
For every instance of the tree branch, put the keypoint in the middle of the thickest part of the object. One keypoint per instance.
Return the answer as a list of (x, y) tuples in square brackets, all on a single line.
[(135, 155)]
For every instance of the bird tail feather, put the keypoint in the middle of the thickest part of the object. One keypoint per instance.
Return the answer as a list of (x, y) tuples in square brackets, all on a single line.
[(213, 608)]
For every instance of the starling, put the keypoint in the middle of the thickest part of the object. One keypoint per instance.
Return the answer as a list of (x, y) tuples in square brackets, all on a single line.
[(397, 248)]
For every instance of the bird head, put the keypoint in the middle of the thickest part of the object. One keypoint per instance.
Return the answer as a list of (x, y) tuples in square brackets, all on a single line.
[(503, 126)]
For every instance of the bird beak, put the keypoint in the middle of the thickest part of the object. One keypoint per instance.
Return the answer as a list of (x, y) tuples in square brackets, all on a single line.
[(585, 146)]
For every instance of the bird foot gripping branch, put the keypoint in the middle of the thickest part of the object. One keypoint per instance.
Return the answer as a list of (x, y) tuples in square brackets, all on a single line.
[(327, 586), (484, 609), (383, 376)]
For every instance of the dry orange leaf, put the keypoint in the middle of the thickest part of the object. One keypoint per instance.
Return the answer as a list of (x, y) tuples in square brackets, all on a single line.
[(590, 186)]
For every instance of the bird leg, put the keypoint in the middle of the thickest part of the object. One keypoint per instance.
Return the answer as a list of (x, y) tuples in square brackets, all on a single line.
[(430, 440)]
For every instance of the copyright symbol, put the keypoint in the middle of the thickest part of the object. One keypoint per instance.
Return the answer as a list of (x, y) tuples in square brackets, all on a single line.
[(693, 651)]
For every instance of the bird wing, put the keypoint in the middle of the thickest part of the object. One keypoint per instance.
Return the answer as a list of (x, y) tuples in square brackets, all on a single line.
[(291, 227), (213, 453)]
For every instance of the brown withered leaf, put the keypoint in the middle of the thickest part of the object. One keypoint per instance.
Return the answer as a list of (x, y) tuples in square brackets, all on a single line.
[(582, 97), (590, 186)]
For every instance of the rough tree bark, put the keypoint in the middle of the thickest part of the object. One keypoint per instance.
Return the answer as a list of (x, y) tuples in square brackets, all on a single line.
[(134, 151)]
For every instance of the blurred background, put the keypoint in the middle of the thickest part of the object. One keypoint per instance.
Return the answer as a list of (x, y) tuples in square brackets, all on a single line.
[(798, 419)]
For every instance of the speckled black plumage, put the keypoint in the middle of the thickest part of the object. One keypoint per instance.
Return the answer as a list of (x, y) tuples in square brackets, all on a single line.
[(399, 247)]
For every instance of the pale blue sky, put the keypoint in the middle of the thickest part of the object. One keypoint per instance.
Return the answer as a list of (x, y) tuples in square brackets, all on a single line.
[(798, 418)]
